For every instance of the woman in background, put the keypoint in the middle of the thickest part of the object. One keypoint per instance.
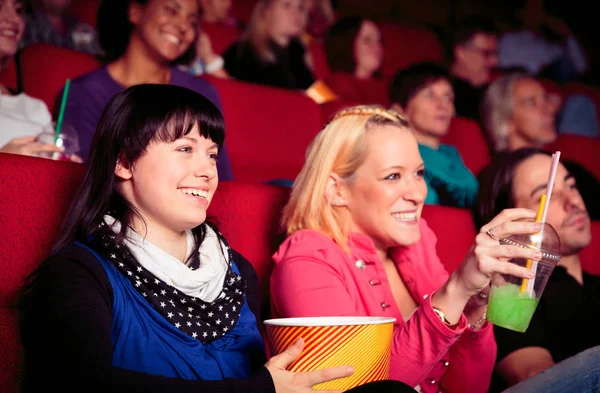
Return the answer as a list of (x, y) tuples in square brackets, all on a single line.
[(144, 39), (270, 51)]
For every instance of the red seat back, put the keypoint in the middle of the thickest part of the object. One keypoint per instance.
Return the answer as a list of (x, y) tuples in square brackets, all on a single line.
[(8, 76), (221, 36), (467, 136), (455, 231), (365, 92), (404, 45), (85, 10), (248, 215), (581, 149), (319, 58), (268, 129), (589, 255), (242, 10), (36, 194), (45, 79)]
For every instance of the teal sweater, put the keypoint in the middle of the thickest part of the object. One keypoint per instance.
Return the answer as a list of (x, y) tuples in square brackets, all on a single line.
[(449, 182)]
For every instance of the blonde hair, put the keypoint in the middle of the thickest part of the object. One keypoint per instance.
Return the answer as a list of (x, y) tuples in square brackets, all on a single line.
[(340, 148), (257, 31), (497, 109)]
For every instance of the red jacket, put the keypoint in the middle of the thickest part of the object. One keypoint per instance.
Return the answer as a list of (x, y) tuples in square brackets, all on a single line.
[(314, 277)]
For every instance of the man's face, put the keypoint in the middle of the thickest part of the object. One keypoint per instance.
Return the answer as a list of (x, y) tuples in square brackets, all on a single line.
[(566, 211), (479, 56)]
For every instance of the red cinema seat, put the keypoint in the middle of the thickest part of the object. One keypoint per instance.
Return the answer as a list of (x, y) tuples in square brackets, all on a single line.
[(36, 194), (45, 69), (468, 138), (248, 215), (589, 255), (85, 10), (455, 231), (268, 129), (9, 75), (404, 45), (221, 36), (581, 149)]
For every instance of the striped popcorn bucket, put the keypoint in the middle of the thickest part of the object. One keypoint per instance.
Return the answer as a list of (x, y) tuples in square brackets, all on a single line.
[(364, 343)]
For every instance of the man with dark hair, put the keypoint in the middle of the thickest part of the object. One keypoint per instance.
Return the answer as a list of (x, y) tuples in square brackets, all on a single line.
[(474, 55), (564, 322)]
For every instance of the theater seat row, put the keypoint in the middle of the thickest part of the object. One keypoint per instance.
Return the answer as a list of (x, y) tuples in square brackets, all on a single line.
[(269, 129), (36, 194)]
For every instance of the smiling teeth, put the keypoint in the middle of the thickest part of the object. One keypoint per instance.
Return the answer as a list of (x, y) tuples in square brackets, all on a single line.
[(193, 191), (173, 39), (405, 216)]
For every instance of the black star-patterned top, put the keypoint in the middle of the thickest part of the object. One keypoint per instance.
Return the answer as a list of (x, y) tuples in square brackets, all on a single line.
[(205, 321), (66, 333)]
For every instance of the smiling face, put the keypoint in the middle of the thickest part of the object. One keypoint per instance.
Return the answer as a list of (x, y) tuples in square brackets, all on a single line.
[(566, 211), (172, 184), (166, 27), (12, 25), (385, 195)]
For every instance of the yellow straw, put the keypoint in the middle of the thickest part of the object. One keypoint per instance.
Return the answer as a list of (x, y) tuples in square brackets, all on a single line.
[(537, 219)]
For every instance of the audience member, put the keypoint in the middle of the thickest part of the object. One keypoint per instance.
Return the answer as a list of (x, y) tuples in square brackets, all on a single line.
[(355, 56), (186, 319), (516, 113), (21, 117), (474, 56), (270, 51), (217, 12), (564, 321), (49, 23), (423, 93), (357, 245), (144, 38), (543, 46)]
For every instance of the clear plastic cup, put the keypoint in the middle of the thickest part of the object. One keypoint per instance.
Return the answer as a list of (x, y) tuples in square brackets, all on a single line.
[(67, 139), (513, 300)]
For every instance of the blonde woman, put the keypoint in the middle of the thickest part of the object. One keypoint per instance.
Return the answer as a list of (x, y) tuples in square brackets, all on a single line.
[(357, 246), (270, 51)]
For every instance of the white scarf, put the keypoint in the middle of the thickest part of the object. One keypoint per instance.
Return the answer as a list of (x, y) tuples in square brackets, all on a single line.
[(205, 283)]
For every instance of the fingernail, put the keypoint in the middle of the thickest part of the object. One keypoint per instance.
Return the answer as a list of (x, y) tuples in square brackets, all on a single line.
[(530, 275), (537, 255), (350, 370), (537, 226)]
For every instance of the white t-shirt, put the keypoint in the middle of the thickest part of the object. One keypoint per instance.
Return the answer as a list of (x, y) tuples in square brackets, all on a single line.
[(22, 115)]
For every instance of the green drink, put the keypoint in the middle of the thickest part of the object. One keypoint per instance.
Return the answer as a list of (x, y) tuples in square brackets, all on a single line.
[(510, 308)]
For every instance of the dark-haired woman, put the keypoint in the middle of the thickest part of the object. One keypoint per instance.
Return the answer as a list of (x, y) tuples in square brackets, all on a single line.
[(143, 39), (141, 293)]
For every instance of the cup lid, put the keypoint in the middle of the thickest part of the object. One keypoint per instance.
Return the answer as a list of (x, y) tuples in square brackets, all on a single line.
[(546, 240), (329, 321)]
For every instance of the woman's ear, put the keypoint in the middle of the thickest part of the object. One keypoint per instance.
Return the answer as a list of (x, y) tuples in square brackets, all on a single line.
[(335, 191), (123, 169)]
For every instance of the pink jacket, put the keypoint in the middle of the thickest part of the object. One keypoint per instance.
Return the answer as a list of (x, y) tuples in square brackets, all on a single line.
[(314, 277)]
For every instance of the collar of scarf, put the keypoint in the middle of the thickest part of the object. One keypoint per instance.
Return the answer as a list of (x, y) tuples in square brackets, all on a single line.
[(205, 321)]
